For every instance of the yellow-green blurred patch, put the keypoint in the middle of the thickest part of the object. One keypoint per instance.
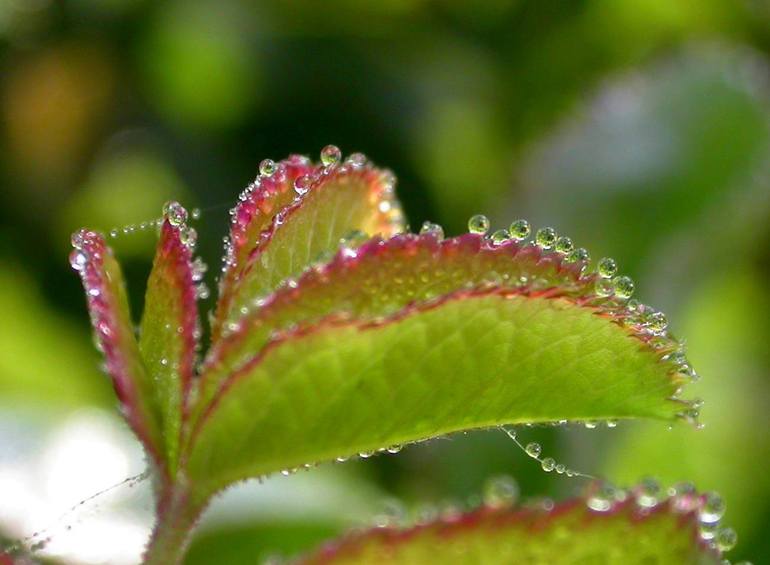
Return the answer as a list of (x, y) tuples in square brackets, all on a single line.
[(46, 362), (124, 188), (198, 66)]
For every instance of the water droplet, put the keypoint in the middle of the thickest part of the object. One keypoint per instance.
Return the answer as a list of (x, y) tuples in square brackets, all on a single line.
[(365, 454), (684, 497), (713, 508), (202, 291), (545, 238), (114, 233), (500, 236), (682, 488), (267, 167), (394, 449), (647, 493), (604, 287), (302, 184), (429, 228), (188, 236), (357, 160), (560, 468), (196, 214), (330, 155), (391, 514), (564, 245), (500, 491), (478, 224), (175, 213), (578, 254), (657, 322), (602, 498), (607, 267), (533, 449), (708, 530), (726, 539), (624, 287), (548, 464), (198, 268), (520, 229), (78, 259)]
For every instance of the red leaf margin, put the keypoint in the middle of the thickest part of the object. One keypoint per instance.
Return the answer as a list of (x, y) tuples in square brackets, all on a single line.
[(121, 352)]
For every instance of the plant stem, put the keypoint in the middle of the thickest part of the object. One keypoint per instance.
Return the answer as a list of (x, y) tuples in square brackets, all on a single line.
[(176, 519)]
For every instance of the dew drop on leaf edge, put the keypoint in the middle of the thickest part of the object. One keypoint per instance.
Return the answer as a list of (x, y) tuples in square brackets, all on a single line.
[(520, 230), (545, 238), (478, 224), (607, 267), (267, 167), (330, 155)]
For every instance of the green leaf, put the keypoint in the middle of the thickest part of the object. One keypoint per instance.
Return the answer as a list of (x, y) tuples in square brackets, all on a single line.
[(335, 201), (169, 328), (383, 276), (568, 533), (471, 359), (114, 335)]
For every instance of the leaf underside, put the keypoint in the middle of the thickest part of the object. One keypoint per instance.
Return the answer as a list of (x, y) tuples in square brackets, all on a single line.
[(569, 533), (472, 359)]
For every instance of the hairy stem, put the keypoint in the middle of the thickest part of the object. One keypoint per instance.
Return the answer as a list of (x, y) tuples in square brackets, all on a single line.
[(177, 515)]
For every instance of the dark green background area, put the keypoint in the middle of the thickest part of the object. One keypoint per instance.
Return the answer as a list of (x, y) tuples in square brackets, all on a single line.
[(638, 127)]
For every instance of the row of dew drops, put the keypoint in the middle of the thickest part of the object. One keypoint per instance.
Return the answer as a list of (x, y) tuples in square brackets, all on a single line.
[(614, 289), (618, 289), (609, 283)]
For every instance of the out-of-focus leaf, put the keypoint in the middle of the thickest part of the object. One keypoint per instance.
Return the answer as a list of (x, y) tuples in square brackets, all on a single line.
[(255, 543), (569, 533), (676, 146)]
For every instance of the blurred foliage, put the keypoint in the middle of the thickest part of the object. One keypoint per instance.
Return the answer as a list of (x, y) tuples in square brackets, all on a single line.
[(639, 128)]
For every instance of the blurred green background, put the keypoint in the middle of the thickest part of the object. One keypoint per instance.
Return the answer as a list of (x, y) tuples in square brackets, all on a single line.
[(638, 127)]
